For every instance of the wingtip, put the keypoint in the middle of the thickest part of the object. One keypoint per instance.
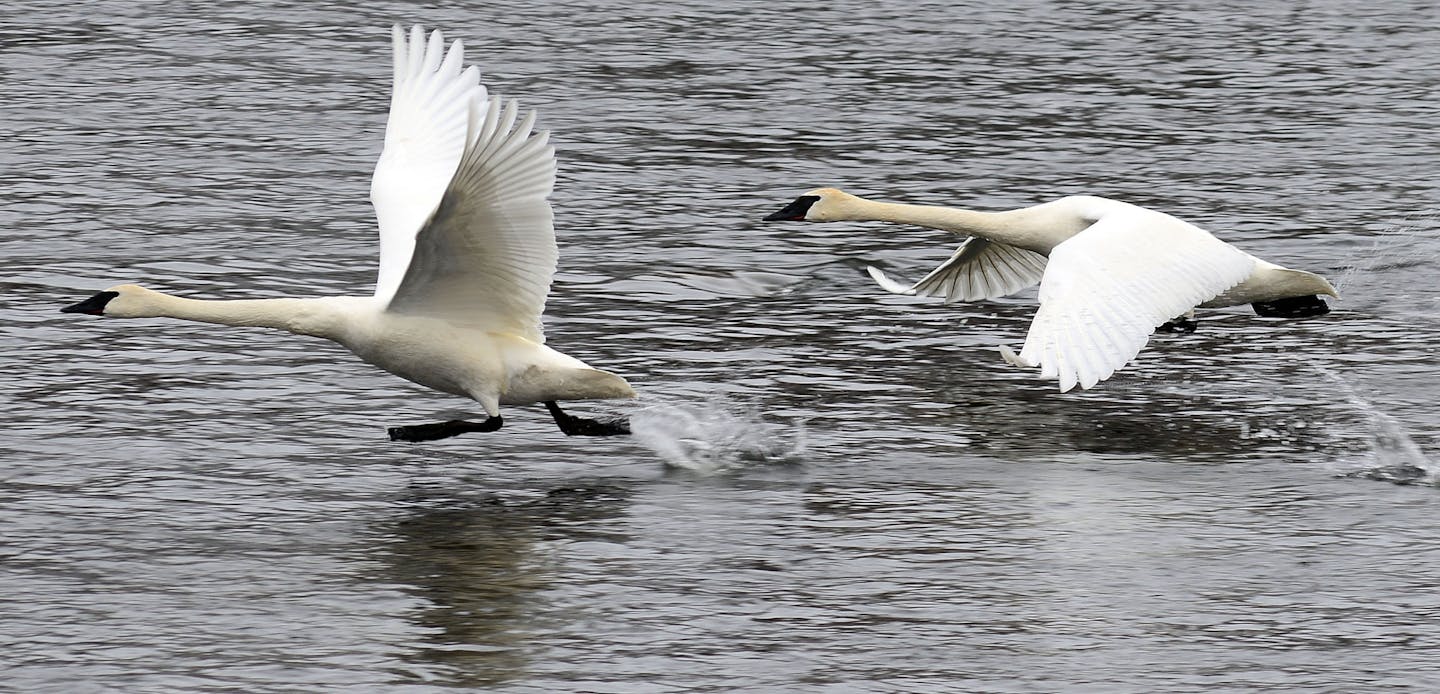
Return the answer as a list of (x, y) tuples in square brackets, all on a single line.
[(397, 48), (888, 284), (1012, 358), (1065, 380), (1068, 381)]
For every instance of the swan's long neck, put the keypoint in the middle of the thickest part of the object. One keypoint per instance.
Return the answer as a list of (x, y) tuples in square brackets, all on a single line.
[(316, 317), (1039, 228), (958, 220)]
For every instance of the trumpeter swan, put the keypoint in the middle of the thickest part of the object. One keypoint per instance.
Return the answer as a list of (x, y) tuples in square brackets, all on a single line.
[(1109, 273), (467, 252)]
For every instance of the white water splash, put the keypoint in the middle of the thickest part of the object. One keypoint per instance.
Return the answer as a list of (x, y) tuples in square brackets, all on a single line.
[(1396, 456), (714, 436), (1395, 246)]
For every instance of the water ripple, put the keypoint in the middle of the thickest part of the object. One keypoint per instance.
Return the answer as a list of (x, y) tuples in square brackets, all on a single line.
[(831, 489)]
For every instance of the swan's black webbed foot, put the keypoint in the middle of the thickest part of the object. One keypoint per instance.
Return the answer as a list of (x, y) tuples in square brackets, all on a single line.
[(442, 430), (1292, 307), (1183, 325), (579, 426)]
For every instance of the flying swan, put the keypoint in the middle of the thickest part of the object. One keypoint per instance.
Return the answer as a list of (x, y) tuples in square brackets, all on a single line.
[(467, 252), (1109, 273)]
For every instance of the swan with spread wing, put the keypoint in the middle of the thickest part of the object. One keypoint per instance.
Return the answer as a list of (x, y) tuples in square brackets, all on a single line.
[(467, 253), (1109, 273)]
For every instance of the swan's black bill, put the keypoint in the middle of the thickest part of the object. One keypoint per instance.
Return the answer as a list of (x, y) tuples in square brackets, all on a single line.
[(94, 306), (795, 211), (1293, 307)]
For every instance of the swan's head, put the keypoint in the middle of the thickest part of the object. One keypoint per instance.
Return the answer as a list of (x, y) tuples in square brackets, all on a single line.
[(123, 301), (819, 205)]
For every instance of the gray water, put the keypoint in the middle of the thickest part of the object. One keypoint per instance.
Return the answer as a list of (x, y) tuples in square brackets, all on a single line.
[(831, 489)]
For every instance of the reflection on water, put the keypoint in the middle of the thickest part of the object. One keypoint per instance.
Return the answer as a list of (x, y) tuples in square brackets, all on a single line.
[(831, 488), (480, 567)]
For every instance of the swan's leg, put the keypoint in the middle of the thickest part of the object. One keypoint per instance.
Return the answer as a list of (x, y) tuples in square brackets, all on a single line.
[(442, 430), (1184, 324), (579, 426)]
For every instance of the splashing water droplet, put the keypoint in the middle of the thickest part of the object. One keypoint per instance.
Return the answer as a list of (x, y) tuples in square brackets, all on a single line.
[(1398, 458), (714, 436), (1395, 246)]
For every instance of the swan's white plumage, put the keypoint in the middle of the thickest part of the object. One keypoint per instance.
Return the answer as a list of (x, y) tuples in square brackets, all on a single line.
[(481, 251), (979, 269), (467, 250), (1109, 272), (486, 257), (425, 137), (1107, 288)]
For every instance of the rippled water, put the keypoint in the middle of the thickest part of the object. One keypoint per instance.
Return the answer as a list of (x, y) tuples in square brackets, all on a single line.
[(831, 489)]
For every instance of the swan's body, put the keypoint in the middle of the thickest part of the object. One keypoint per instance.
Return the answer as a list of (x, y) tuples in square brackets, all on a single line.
[(1109, 273), (467, 252)]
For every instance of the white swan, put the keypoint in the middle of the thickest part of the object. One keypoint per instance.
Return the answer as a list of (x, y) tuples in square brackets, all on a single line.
[(1109, 273), (467, 251)]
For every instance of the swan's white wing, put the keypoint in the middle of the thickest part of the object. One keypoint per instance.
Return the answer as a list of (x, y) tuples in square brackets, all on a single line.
[(1107, 288), (424, 139), (486, 257), (979, 269)]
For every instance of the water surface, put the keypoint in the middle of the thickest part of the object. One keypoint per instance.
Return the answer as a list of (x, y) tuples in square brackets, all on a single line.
[(833, 489)]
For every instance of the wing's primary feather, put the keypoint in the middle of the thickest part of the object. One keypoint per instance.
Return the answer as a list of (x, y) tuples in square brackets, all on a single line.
[(425, 137), (979, 269), (1107, 288)]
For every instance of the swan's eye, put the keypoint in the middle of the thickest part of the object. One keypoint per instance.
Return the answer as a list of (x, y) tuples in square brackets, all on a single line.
[(795, 211), (94, 306)]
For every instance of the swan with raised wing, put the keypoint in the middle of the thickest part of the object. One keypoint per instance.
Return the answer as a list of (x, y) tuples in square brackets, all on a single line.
[(467, 253), (1109, 273)]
